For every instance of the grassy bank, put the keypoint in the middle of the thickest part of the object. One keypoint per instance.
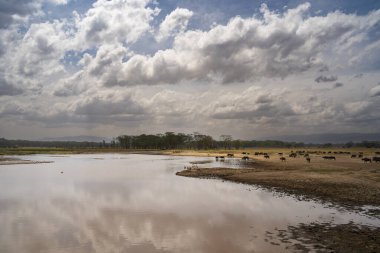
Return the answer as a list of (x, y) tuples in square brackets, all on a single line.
[(180, 152)]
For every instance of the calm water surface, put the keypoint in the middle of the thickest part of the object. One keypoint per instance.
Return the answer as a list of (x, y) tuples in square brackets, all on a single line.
[(135, 203)]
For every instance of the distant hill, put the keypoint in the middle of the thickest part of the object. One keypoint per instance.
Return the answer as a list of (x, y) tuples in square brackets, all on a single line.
[(329, 138), (79, 138)]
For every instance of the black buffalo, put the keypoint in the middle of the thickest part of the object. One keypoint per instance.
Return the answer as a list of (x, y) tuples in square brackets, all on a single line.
[(366, 159)]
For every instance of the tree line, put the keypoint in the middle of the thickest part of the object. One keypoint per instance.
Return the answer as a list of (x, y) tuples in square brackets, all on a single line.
[(52, 144), (171, 140)]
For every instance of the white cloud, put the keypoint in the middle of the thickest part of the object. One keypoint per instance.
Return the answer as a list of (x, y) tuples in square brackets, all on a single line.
[(41, 49), (263, 110), (169, 103), (70, 86), (355, 108), (174, 23), (59, 2), (118, 21), (96, 70), (278, 45), (256, 73), (375, 91), (32, 60)]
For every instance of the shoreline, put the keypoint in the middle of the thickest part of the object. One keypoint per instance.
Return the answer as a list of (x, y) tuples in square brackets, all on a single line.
[(351, 186), (327, 237), (14, 161)]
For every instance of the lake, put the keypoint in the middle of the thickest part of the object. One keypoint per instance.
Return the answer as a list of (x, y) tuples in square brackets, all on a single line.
[(136, 203)]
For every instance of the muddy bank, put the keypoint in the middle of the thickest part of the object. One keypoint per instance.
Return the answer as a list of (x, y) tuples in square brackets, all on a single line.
[(325, 237), (342, 183), (345, 183)]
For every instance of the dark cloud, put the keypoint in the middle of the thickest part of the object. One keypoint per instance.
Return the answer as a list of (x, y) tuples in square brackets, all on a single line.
[(262, 111), (255, 105), (11, 110), (295, 110), (95, 29), (325, 79), (2, 48), (16, 7), (109, 105), (324, 69), (362, 113), (7, 89), (63, 93), (338, 85)]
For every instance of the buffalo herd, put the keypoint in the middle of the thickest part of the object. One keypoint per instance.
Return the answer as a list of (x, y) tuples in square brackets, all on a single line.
[(306, 155)]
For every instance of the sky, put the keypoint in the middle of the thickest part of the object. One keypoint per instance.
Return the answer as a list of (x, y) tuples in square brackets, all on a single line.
[(251, 69)]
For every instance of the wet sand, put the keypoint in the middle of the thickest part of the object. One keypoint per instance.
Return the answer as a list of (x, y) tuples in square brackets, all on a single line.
[(325, 237)]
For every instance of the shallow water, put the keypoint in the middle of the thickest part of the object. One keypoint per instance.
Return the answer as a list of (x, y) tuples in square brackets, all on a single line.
[(135, 203)]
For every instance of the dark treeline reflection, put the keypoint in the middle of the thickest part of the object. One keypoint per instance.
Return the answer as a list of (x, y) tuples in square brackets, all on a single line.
[(171, 140)]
